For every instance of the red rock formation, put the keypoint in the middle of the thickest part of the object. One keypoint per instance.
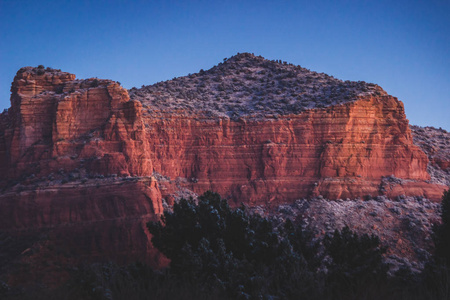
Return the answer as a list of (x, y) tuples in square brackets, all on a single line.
[(102, 218), (60, 129), (436, 144), (57, 122), (339, 152)]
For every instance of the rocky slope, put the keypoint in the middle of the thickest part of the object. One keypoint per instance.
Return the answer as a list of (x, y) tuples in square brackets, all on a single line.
[(80, 156), (404, 224), (436, 144)]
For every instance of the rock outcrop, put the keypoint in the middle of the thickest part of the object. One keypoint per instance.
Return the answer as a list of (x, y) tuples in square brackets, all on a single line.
[(56, 122), (57, 138), (102, 218), (339, 152), (80, 156)]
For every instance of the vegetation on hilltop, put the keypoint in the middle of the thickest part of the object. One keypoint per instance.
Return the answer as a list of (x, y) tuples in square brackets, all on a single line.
[(436, 144), (249, 85)]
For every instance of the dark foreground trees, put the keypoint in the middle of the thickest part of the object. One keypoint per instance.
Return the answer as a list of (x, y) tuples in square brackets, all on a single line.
[(244, 255), (215, 247), (442, 232), (436, 276)]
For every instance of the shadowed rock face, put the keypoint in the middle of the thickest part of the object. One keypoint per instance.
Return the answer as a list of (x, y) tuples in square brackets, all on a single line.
[(100, 218), (58, 136), (80, 153), (436, 144)]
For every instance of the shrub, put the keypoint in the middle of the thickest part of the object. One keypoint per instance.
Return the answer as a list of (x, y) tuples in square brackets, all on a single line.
[(95, 82), (59, 89)]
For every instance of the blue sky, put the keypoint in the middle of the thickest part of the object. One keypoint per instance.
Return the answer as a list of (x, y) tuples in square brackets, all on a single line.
[(404, 46)]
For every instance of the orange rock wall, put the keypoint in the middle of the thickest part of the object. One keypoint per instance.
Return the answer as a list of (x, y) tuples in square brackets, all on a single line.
[(58, 125), (343, 151), (89, 124), (292, 156)]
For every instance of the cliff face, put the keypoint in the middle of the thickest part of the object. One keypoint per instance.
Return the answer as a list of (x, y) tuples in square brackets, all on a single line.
[(79, 155), (56, 122), (57, 138), (339, 152), (101, 219), (59, 123)]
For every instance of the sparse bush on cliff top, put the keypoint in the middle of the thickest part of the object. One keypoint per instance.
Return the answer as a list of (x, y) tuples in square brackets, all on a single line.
[(95, 82)]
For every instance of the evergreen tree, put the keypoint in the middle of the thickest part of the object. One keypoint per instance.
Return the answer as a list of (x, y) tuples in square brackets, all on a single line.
[(442, 232)]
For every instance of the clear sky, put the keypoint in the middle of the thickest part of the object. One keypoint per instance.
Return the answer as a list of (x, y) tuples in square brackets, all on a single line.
[(404, 46)]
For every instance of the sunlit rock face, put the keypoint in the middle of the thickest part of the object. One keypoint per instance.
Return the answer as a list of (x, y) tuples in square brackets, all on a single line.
[(56, 122), (263, 131), (81, 154), (339, 152)]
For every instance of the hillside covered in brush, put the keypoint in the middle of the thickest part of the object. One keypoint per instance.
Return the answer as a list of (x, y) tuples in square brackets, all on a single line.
[(248, 85)]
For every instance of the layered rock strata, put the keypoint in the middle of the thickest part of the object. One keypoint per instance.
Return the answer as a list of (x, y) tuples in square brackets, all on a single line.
[(61, 135), (57, 138), (339, 152), (56, 122), (102, 219)]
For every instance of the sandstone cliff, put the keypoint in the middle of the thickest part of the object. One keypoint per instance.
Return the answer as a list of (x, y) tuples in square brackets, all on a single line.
[(341, 146), (339, 152), (57, 138), (80, 155), (56, 122)]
